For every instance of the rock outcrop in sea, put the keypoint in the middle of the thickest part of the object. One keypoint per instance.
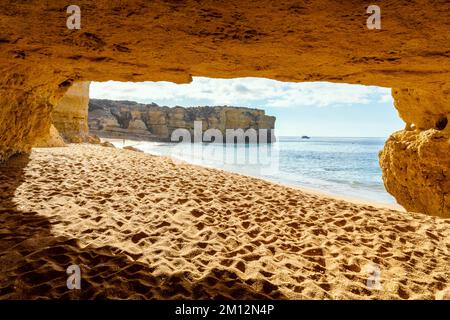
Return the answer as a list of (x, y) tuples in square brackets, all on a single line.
[(132, 120)]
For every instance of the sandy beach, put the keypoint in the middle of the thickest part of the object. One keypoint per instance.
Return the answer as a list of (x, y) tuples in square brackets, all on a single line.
[(142, 226)]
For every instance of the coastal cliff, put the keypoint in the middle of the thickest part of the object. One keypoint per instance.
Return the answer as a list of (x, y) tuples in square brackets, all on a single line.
[(69, 119), (70, 114), (132, 120)]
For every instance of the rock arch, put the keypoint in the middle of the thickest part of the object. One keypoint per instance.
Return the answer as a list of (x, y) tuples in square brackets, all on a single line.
[(325, 40)]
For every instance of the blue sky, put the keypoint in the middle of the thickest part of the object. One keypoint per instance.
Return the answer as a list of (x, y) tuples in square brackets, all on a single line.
[(308, 108)]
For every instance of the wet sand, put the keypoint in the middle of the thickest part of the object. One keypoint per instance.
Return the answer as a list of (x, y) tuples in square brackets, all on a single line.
[(142, 226)]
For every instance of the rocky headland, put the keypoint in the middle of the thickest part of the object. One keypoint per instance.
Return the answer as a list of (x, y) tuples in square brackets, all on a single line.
[(132, 120)]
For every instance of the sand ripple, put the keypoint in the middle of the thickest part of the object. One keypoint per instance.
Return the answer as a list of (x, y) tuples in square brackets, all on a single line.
[(144, 227)]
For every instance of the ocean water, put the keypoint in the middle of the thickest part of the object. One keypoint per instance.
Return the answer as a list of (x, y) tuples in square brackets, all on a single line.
[(337, 166)]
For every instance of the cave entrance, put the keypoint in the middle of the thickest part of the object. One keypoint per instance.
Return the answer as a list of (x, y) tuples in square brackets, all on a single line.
[(328, 135)]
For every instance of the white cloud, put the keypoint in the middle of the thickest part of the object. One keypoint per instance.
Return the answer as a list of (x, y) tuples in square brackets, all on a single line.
[(250, 92), (386, 97)]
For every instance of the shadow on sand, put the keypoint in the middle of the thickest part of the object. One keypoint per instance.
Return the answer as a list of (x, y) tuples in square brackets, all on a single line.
[(33, 262)]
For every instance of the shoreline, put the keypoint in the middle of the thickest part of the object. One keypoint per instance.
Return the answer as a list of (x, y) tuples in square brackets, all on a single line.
[(146, 227), (353, 199)]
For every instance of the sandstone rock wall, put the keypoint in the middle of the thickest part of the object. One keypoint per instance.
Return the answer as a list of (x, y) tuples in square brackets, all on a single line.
[(70, 115), (424, 109), (51, 139), (416, 161), (26, 103), (69, 119), (131, 120), (416, 170)]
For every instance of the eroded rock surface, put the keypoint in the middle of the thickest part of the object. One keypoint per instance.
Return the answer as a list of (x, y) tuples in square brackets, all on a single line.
[(416, 170), (416, 161), (52, 139), (131, 120), (70, 116), (424, 109)]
